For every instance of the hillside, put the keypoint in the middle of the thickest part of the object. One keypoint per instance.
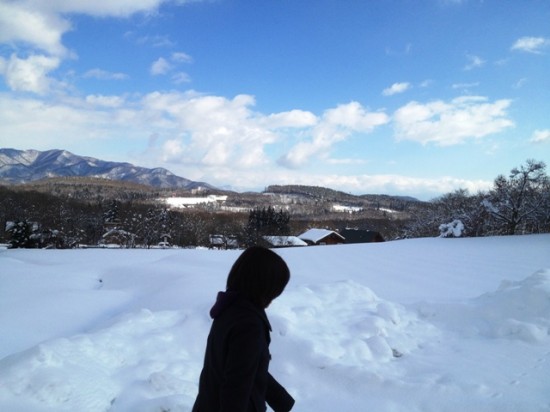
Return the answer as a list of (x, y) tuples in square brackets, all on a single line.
[(323, 194), (21, 166)]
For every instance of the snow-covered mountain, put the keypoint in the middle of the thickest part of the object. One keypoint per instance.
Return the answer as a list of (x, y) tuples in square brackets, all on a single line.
[(20, 166)]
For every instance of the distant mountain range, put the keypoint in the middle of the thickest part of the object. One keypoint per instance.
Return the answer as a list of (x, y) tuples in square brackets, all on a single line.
[(22, 166)]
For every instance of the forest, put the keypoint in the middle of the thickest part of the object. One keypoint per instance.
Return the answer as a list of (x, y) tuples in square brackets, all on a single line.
[(109, 213)]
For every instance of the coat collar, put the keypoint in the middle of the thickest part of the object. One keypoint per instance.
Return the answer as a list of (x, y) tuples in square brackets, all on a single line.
[(229, 298)]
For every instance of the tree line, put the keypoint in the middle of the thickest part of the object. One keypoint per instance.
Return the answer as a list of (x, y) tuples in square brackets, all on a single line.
[(38, 220)]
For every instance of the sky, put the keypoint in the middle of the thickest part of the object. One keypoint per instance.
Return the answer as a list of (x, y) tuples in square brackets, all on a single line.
[(400, 97)]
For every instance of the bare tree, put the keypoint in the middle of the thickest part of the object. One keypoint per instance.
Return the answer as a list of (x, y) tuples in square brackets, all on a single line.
[(515, 201)]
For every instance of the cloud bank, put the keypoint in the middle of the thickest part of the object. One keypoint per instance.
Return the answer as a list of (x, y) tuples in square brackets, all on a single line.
[(450, 123)]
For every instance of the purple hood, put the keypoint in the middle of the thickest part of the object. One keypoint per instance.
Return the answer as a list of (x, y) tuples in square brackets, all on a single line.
[(223, 301)]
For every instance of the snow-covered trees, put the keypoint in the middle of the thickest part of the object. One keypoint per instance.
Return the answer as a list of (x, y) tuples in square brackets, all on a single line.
[(519, 203), (111, 213), (437, 217), (151, 227), (19, 233), (453, 229)]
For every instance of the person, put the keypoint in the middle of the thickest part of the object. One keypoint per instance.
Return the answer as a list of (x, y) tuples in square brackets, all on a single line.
[(235, 376)]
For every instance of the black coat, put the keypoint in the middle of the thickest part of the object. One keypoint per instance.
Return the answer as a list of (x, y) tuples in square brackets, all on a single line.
[(235, 375)]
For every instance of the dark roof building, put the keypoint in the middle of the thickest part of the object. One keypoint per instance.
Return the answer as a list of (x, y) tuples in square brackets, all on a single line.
[(361, 236)]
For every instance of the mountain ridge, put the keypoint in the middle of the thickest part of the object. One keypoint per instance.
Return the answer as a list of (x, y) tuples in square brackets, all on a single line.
[(24, 166)]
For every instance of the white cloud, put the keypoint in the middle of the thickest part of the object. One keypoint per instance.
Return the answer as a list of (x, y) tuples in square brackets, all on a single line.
[(30, 74), (160, 66), (465, 85), (346, 161), (98, 8), (293, 119), (473, 62), (181, 57), (172, 150), (396, 88), (154, 40), (20, 22), (355, 117), (337, 124), (104, 75), (540, 136), (33, 123), (181, 77), (41, 23), (218, 132), (163, 66), (451, 123), (105, 101), (520, 83), (531, 44)]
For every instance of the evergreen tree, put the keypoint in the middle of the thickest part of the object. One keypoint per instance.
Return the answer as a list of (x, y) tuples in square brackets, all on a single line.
[(20, 234), (265, 222), (111, 215)]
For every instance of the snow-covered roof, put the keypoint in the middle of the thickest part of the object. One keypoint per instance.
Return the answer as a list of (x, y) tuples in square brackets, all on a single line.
[(285, 241), (316, 235), (217, 239), (116, 232)]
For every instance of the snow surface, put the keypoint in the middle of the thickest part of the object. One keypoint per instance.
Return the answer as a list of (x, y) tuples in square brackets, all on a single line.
[(182, 202), (412, 325)]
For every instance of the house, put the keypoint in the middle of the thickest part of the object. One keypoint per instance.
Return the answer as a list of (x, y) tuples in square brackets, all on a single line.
[(223, 242), (217, 242), (322, 237), (118, 238), (361, 236), (283, 241)]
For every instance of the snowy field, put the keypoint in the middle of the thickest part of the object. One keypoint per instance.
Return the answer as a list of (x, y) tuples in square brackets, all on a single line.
[(412, 325)]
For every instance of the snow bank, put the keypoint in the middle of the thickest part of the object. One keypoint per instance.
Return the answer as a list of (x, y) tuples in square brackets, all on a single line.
[(142, 362), (347, 324), (516, 310)]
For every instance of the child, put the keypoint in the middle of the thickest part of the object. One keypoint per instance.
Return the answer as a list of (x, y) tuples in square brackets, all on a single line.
[(235, 376)]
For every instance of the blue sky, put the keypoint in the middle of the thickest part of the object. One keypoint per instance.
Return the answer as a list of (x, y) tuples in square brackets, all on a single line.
[(390, 96)]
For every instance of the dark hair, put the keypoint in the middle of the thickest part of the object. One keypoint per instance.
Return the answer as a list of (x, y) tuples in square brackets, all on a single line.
[(259, 274)]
